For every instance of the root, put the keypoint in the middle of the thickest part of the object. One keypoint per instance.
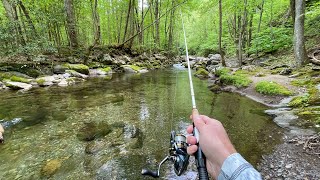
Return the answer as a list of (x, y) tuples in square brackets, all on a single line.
[(314, 56)]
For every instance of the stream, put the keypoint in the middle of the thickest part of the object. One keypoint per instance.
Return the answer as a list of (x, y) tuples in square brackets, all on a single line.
[(111, 129)]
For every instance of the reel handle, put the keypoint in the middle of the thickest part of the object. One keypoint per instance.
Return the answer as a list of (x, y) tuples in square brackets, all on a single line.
[(147, 172)]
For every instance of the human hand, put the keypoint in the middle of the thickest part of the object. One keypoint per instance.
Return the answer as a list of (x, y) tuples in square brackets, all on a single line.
[(213, 140)]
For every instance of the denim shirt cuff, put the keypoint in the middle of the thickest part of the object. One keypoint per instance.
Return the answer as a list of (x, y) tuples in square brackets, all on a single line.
[(233, 166)]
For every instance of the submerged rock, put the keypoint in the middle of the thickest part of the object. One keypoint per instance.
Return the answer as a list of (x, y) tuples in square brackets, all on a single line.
[(90, 131), (18, 85), (95, 146), (51, 167)]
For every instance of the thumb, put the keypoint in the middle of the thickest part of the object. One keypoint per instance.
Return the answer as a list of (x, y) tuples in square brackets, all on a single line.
[(198, 122)]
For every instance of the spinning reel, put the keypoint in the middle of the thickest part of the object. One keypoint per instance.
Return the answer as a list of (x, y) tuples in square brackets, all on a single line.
[(177, 155)]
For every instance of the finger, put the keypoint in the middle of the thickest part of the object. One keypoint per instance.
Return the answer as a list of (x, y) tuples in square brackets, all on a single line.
[(192, 149), (198, 122), (190, 129), (191, 140)]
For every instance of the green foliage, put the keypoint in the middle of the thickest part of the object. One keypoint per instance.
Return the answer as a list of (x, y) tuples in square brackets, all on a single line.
[(272, 88), (270, 41), (238, 80), (222, 71)]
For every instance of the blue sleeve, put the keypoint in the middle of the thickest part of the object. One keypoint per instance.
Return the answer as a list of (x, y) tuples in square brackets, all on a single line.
[(235, 167)]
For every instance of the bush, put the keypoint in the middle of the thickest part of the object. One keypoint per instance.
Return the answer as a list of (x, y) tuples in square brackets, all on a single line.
[(272, 88)]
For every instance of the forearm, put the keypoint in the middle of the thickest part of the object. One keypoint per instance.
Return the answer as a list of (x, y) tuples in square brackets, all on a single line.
[(235, 167)]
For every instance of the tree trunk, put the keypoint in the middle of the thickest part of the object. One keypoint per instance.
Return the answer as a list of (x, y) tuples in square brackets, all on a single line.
[(220, 35), (71, 24), (299, 40), (26, 14), (293, 10), (171, 27), (96, 24), (156, 16)]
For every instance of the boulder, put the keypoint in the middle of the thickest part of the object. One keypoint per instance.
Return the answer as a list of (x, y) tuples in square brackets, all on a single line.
[(76, 74), (249, 68), (160, 57), (41, 59), (130, 131), (286, 71), (58, 69), (202, 73), (90, 131), (45, 81), (18, 85), (143, 71), (63, 83), (97, 72), (107, 59), (80, 68), (214, 57)]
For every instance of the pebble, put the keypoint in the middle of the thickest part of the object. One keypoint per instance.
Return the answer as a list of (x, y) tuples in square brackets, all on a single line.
[(289, 166)]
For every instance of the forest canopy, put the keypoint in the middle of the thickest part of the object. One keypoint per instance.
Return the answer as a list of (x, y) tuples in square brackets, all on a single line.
[(49, 26)]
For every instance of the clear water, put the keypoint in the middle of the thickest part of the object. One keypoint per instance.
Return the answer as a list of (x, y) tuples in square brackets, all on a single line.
[(46, 143)]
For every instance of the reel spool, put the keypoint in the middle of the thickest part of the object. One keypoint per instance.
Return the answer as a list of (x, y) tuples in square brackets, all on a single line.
[(177, 155)]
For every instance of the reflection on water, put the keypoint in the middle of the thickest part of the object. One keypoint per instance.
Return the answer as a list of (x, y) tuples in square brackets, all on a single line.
[(48, 141)]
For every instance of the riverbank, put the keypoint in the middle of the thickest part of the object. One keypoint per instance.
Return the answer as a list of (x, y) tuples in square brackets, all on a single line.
[(297, 157), (25, 72)]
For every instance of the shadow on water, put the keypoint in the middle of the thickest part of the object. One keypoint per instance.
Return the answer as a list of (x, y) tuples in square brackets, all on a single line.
[(130, 120)]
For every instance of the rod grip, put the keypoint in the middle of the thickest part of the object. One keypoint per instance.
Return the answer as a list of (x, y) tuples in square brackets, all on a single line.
[(200, 157)]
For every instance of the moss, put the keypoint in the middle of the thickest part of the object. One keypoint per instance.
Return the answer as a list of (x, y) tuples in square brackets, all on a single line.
[(236, 80), (299, 101), (306, 82), (202, 72), (314, 98), (222, 71), (81, 68), (41, 81), (19, 79), (107, 69), (272, 88)]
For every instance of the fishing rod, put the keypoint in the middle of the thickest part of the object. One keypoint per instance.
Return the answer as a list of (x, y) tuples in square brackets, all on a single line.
[(178, 147)]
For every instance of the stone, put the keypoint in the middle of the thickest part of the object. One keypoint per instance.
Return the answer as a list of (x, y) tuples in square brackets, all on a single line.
[(63, 83), (160, 57), (213, 62), (90, 131), (110, 169), (97, 72), (295, 75), (286, 71), (45, 81), (51, 167), (249, 68), (107, 59), (143, 71), (80, 68), (94, 147), (130, 131), (76, 74), (58, 69), (214, 57), (18, 85)]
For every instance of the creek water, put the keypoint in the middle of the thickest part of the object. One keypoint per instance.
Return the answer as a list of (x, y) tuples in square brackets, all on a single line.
[(83, 131)]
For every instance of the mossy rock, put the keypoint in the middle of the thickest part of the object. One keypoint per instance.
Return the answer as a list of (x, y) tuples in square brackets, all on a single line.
[(299, 101), (51, 167), (80, 68), (40, 82), (107, 69), (202, 73), (90, 131), (314, 96), (272, 88), (12, 77)]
